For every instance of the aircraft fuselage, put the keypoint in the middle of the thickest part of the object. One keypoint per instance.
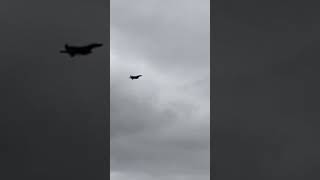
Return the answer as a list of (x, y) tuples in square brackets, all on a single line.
[(77, 50), (135, 77)]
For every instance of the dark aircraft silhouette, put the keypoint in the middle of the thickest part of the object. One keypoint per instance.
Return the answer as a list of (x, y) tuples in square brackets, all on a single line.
[(80, 50), (134, 77)]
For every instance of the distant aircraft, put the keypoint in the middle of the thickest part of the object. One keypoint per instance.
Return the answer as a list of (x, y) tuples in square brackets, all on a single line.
[(80, 50), (134, 77)]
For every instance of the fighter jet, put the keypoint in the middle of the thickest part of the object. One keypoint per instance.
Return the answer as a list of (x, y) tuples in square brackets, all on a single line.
[(80, 50), (134, 77)]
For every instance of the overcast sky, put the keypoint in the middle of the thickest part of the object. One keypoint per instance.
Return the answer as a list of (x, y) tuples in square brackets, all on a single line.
[(160, 122)]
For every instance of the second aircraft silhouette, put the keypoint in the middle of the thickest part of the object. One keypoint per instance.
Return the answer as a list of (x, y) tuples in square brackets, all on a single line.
[(134, 77), (80, 50)]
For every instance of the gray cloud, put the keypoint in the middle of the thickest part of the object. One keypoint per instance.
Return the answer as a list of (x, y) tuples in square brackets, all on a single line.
[(166, 32), (160, 123)]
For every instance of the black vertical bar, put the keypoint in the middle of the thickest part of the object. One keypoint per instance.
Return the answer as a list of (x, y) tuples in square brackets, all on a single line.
[(212, 91), (107, 140), (54, 109)]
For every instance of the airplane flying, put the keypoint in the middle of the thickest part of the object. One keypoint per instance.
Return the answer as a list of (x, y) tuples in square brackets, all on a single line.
[(134, 77), (80, 50)]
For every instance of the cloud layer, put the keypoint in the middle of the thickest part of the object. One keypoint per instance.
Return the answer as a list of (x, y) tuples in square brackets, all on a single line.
[(160, 123)]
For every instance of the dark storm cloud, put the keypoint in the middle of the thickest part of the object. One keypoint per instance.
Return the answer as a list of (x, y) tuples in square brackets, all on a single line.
[(53, 110), (266, 59)]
